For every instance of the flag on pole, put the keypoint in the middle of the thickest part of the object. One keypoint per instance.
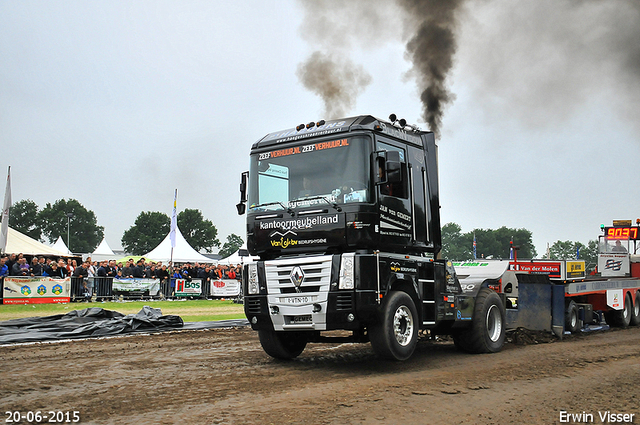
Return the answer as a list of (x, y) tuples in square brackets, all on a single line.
[(174, 221), (474, 247), (4, 228)]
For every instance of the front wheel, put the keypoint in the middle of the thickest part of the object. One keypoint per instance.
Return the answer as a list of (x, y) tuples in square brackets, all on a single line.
[(282, 345), (395, 336), (487, 333)]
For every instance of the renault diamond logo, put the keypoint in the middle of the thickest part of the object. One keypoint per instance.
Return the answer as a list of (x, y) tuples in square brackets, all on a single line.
[(296, 277)]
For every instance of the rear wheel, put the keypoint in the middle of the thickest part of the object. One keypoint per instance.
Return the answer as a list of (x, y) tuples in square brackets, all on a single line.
[(396, 335), (620, 318), (635, 311), (571, 322), (486, 334), (282, 345)]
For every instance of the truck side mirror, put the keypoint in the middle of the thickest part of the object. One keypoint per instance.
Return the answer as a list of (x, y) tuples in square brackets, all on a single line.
[(393, 167), (241, 207)]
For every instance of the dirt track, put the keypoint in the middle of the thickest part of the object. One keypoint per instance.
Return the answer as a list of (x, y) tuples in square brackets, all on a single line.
[(223, 376)]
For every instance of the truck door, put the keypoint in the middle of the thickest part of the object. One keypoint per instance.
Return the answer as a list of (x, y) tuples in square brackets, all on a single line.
[(396, 220)]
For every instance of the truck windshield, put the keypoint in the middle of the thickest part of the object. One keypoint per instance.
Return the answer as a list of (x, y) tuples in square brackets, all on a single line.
[(315, 173)]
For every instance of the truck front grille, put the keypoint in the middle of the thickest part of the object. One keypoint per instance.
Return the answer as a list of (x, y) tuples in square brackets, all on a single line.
[(316, 270)]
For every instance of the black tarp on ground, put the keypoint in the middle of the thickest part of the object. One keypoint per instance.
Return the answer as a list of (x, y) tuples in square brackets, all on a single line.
[(87, 323)]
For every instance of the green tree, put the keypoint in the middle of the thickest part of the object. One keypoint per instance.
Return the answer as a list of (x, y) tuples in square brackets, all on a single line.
[(231, 245), (198, 231), (455, 245), (84, 232), (23, 217), (149, 230), (568, 250), (489, 243)]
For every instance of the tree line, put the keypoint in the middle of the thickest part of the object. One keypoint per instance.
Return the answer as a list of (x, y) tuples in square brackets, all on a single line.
[(78, 227), (496, 244)]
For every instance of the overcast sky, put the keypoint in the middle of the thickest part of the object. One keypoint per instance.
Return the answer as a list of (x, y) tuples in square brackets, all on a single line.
[(119, 103)]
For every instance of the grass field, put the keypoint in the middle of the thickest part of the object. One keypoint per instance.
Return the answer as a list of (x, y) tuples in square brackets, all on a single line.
[(188, 310)]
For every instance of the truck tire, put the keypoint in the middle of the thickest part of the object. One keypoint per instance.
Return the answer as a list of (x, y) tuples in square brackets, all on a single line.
[(571, 321), (487, 333), (620, 318), (282, 345), (395, 336), (635, 311)]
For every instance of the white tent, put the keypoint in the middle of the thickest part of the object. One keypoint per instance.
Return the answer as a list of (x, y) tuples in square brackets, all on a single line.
[(182, 253), (19, 243), (61, 246), (103, 252), (236, 258)]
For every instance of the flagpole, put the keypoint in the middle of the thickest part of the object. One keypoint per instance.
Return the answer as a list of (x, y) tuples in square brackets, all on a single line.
[(4, 228), (174, 226)]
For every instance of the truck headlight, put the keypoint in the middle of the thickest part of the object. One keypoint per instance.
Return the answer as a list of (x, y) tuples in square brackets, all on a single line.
[(347, 278), (252, 279)]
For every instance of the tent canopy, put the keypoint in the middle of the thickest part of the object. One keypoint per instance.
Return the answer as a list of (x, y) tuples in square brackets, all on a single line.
[(182, 253), (19, 243), (61, 246), (103, 252)]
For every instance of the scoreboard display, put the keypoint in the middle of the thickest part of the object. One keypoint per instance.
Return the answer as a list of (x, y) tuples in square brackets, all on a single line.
[(623, 233)]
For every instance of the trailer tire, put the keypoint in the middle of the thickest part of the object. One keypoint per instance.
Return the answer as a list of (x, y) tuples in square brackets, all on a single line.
[(571, 321), (635, 311), (620, 318), (282, 345), (487, 333), (395, 336)]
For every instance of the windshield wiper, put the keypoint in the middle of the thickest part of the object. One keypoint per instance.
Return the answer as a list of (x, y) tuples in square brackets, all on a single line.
[(324, 198), (284, 207)]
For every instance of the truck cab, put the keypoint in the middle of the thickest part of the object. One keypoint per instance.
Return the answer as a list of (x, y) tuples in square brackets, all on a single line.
[(344, 216)]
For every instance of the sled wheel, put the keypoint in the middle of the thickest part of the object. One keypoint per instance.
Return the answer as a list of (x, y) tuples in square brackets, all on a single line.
[(635, 311), (620, 318), (486, 334), (571, 322), (395, 336), (282, 345)]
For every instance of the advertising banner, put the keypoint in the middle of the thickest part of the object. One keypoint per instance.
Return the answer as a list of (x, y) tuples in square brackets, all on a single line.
[(136, 284), (36, 290), (185, 288), (225, 288)]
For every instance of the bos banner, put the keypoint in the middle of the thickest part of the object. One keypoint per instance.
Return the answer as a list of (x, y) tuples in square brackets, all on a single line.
[(186, 288), (36, 290), (225, 288), (136, 284)]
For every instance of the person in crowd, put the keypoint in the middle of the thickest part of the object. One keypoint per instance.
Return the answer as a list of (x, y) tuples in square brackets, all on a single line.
[(62, 266), (82, 273), (138, 270), (36, 268), (111, 268), (54, 271), (44, 263), (102, 270), (127, 270), (20, 268), (4, 270), (10, 260), (150, 273), (231, 274)]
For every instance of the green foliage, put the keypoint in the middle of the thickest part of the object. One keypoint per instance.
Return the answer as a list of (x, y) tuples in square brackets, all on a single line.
[(231, 245), (489, 243), (149, 230), (455, 245), (198, 231), (567, 250), (23, 217), (85, 234)]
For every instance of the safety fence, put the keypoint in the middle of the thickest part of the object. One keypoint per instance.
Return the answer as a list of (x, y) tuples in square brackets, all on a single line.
[(34, 290)]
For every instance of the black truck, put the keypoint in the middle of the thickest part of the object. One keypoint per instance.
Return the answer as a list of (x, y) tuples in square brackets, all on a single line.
[(344, 216)]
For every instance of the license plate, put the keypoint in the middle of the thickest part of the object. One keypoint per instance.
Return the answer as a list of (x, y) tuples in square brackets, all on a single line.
[(301, 319), (298, 300)]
